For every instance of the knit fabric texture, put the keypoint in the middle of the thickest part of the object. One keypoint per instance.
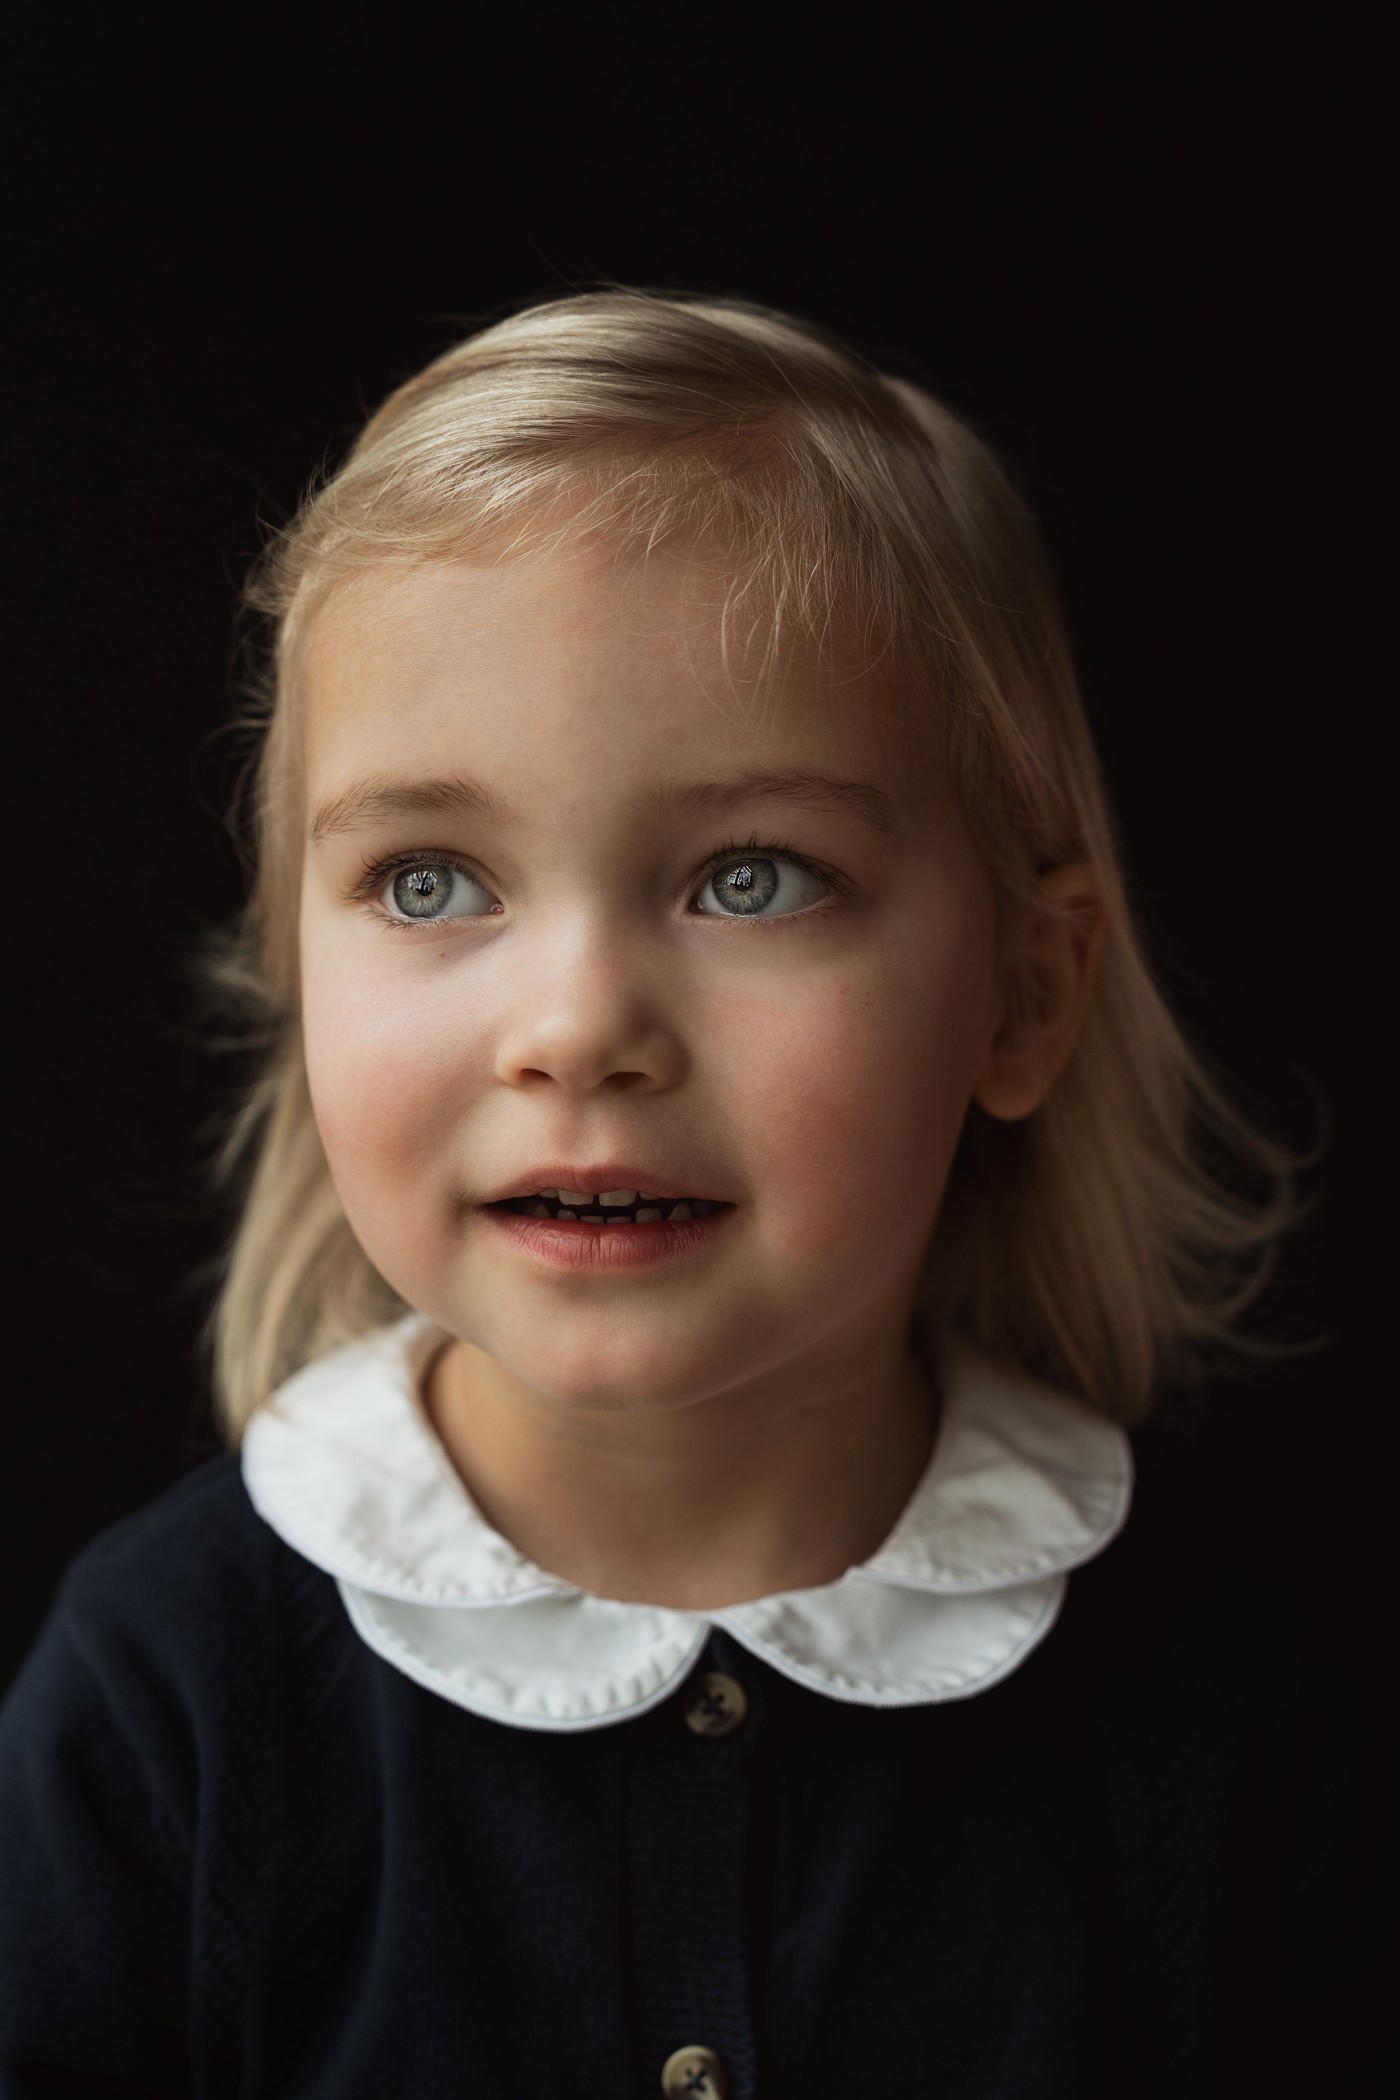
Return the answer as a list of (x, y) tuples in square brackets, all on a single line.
[(245, 1858)]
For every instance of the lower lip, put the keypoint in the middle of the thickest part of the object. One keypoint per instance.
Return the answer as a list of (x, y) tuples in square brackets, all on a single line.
[(564, 1243)]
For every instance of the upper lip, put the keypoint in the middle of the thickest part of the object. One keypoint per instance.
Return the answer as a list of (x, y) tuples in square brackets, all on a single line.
[(599, 1180)]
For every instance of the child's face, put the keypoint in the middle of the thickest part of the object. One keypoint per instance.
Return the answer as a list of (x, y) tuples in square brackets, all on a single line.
[(582, 996)]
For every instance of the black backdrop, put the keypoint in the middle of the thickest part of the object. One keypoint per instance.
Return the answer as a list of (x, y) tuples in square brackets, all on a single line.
[(1142, 267)]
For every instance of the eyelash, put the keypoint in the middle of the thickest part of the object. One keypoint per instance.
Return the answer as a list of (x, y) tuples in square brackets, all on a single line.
[(377, 873)]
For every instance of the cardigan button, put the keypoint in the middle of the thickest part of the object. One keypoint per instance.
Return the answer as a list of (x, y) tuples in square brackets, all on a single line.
[(694, 2074), (717, 1706)]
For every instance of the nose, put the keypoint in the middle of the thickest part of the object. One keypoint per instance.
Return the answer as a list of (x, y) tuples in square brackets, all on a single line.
[(587, 1014)]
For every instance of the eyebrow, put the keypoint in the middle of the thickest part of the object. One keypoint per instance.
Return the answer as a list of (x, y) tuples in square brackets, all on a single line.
[(375, 800)]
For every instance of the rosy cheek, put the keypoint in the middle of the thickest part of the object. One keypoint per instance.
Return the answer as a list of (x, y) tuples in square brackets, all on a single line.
[(847, 1121), (825, 1097), (380, 1072)]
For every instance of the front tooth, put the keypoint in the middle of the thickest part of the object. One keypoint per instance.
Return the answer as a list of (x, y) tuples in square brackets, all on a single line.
[(617, 1199), (648, 1217), (577, 1197), (650, 1196), (538, 1209), (571, 1214), (548, 1195), (679, 1213)]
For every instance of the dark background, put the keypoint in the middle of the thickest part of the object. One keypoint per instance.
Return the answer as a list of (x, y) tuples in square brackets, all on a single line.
[(1143, 267)]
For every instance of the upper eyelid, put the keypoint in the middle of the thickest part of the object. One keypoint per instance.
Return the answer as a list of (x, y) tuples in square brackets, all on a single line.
[(379, 871)]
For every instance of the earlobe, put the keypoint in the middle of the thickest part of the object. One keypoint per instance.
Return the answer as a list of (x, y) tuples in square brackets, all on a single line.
[(1047, 976)]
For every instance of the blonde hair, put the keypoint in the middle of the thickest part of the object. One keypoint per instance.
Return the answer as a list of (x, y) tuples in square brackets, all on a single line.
[(1090, 1243)]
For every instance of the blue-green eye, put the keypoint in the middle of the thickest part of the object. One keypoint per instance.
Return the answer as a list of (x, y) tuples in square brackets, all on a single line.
[(432, 889), (755, 885)]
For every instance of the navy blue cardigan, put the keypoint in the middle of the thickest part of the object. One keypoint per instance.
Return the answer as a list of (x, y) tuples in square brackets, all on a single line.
[(241, 1855)]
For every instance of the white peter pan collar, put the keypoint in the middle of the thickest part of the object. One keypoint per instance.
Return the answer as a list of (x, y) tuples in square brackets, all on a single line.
[(1023, 1485)]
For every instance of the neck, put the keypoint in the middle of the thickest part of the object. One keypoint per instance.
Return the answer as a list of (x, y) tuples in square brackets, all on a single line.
[(776, 1485)]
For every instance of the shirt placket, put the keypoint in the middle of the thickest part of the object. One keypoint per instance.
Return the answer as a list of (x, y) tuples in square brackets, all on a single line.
[(687, 1833)]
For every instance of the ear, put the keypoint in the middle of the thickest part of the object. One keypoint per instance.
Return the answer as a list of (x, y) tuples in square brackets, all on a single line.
[(1047, 974)]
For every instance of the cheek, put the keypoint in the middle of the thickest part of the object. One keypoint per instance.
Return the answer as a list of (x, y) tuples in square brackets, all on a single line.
[(855, 1091), (386, 1073)]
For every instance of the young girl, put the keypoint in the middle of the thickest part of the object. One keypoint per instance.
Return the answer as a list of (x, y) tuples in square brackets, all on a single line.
[(722, 1182)]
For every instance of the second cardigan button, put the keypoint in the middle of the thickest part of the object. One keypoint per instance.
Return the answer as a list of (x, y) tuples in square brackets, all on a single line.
[(694, 2074)]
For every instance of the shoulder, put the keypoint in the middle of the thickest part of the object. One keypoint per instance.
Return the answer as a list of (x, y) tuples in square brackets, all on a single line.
[(197, 1558), (143, 1749), (1240, 1583), (1217, 1662), (206, 1514), (168, 1614), (1228, 1640), (1248, 1736)]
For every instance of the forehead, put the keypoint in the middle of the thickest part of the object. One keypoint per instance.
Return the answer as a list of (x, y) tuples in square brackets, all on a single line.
[(581, 667)]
